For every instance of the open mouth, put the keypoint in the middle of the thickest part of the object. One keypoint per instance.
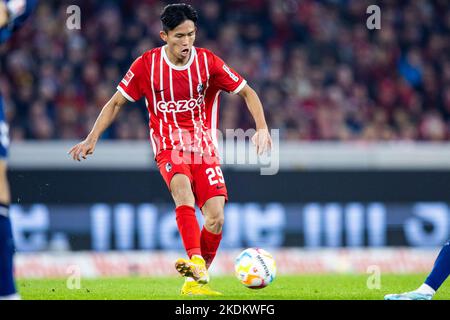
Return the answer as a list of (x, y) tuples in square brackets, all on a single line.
[(185, 52)]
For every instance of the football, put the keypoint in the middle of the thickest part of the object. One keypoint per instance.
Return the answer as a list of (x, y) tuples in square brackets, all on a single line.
[(255, 268)]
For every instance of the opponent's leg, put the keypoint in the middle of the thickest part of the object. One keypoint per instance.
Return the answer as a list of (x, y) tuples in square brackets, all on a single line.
[(437, 276), (7, 287), (441, 269)]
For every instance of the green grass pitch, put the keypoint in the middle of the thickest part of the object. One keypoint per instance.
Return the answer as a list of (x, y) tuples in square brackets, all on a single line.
[(299, 287)]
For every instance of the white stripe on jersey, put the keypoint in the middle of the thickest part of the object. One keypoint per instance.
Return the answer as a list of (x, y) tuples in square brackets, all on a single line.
[(173, 112), (153, 85), (161, 133), (196, 129), (207, 69), (161, 85), (207, 80), (151, 131), (199, 109), (214, 119), (161, 82), (190, 83), (154, 104), (179, 131), (153, 142), (170, 136), (171, 84), (207, 85)]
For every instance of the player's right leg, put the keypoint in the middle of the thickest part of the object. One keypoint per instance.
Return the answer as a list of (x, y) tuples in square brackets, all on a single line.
[(210, 197), (180, 187), (194, 269), (179, 180), (178, 177)]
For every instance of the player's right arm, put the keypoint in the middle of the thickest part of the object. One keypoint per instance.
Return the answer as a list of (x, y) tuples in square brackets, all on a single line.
[(129, 89), (105, 118)]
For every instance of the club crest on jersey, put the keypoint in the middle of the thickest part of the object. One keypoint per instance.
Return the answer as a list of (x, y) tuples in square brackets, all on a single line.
[(168, 167), (200, 88)]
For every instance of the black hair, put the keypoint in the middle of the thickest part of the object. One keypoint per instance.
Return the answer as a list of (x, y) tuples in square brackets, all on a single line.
[(175, 14)]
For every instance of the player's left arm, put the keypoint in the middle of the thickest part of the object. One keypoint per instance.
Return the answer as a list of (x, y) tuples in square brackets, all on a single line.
[(225, 78), (261, 139)]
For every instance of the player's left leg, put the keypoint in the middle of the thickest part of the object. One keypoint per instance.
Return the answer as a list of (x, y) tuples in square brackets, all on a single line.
[(211, 235), (211, 194)]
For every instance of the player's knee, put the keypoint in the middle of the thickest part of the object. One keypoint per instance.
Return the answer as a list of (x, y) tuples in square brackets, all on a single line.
[(214, 221), (219, 223)]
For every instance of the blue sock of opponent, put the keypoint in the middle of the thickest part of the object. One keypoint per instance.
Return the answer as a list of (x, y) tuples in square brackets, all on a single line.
[(7, 286), (441, 268)]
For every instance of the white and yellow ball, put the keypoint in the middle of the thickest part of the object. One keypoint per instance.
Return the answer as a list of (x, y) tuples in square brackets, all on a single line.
[(255, 268)]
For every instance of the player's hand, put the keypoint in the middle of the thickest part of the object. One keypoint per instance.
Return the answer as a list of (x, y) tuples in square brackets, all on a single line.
[(83, 149), (262, 141)]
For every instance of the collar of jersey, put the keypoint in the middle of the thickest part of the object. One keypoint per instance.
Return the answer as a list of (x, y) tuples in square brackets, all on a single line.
[(187, 65)]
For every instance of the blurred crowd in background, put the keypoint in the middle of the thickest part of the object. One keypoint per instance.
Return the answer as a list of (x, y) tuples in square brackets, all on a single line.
[(319, 71)]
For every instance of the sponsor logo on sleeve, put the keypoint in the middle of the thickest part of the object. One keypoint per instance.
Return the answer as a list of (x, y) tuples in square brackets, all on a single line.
[(126, 80), (234, 77)]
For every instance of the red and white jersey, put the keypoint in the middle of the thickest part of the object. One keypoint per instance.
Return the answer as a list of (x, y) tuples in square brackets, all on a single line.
[(182, 101)]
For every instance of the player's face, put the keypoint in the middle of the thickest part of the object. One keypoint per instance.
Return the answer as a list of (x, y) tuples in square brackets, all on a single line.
[(180, 40)]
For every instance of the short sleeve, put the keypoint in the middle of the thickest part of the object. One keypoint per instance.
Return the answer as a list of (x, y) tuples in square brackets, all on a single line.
[(130, 85), (225, 78)]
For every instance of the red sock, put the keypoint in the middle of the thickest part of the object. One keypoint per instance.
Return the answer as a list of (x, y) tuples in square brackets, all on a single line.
[(209, 243), (189, 229)]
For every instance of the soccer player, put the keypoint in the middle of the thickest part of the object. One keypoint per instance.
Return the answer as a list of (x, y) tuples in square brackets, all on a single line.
[(13, 14), (181, 85), (439, 273)]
